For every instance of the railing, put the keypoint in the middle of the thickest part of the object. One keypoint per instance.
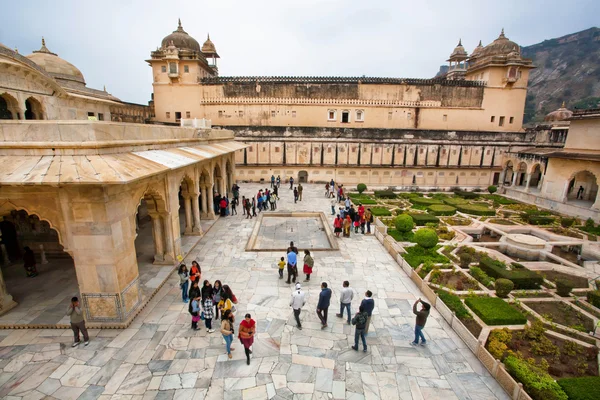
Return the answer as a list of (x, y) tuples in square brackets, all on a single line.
[(306, 100), (340, 79)]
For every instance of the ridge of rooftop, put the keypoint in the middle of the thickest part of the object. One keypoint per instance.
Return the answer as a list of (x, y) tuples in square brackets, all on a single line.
[(341, 79)]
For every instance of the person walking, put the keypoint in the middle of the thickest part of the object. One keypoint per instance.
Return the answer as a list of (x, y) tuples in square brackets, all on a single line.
[(216, 202), (323, 305), (207, 309), (292, 267), (347, 225), (309, 262), (29, 262), (196, 301), (327, 189), (333, 204), (346, 296), (233, 207), (297, 302), (292, 248), (195, 272), (246, 335), (360, 322), (300, 189), (272, 181), (580, 192), (77, 323), (291, 182), (216, 297), (369, 220), (243, 205), (369, 304), (227, 320), (337, 225), (295, 195), (421, 319), (253, 207), (184, 282), (281, 265), (278, 180)]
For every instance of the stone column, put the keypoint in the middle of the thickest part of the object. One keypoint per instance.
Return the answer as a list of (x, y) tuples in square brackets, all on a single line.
[(157, 233), (6, 300), (196, 213), (44, 260), (502, 176), (527, 181), (596, 204), (5, 259), (169, 250), (188, 214), (204, 193), (540, 183), (514, 178)]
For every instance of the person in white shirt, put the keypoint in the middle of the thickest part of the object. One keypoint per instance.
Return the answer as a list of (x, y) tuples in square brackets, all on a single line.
[(297, 302), (346, 296)]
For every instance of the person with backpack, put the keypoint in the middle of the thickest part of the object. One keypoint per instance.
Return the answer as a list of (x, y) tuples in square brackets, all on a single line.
[(196, 312), (369, 304), (421, 319), (360, 323)]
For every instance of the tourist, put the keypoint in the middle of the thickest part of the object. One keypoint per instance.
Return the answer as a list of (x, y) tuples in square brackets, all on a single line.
[(207, 309), (292, 268), (281, 265), (207, 290), (347, 224), (331, 191), (223, 206), (248, 206), (195, 272), (295, 195), (342, 213), (246, 335), (227, 330), (216, 296), (292, 248), (253, 207), (184, 282), (346, 296), (580, 192), (421, 319), (333, 204), (77, 322), (360, 321), (276, 190), (259, 200), (348, 203), (351, 212), (233, 208), (278, 181), (297, 302), (356, 222), (291, 182), (226, 205), (309, 262), (369, 220), (369, 304), (244, 205), (29, 262), (265, 201), (228, 300), (340, 193), (272, 201), (235, 189), (272, 180), (216, 202), (194, 292), (300, 189), (196, 312), (337, 225), (323, 305), (361, 209), (327, 189), (363, 222)]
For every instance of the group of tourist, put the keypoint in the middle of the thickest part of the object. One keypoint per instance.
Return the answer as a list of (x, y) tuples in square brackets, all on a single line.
[(348, 217), (263, 201), (222, 204), (292, 264)]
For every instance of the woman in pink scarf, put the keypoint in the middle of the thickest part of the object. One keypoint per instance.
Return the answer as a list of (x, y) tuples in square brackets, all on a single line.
[(246, 335)]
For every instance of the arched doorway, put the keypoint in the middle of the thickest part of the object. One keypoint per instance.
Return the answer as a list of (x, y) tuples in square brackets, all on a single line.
[(43, 297), (8, 107), (583, 187), (521, 174), (152, 231), (303, 177), (508, 174), (189, 208), (536, 177), (33, 109)]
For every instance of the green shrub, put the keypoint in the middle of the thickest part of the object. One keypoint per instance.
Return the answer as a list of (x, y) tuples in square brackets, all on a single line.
[(481, 276), (441, 209), (362, 198), (540, 220), (593, 298), (444, 233), (495, 311), (385, 194), (416, 255), (466, 195), (404, 223), (536, 382), (589, 223), (567, 222), (454, 304), (476, 209), (492, 189), (361, 187), (426, 238), (522, 279), (380, 212), (401, 236), (465, 259), (563, 287), (583, 388), (452, 201), (424, 201), (500, 200), (503, 287), (422, 219)]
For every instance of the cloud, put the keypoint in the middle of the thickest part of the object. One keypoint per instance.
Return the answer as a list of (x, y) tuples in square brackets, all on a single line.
[(110, 41)]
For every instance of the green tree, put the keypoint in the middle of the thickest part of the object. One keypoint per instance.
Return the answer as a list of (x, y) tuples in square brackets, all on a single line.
[(426, 238), (404, 223)]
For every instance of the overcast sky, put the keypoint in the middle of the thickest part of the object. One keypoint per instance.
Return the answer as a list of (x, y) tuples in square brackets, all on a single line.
[(109, 40)]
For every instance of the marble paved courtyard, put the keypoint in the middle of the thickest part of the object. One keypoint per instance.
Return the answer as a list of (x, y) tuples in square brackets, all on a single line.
[(160, 357), (277, 232)]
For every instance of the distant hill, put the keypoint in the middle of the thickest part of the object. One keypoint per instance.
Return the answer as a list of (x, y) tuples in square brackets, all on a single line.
[(568, 69)]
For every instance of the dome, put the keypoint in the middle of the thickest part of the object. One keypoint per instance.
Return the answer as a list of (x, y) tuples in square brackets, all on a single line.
[(181, 40), (55, 66), (500, 46), (208, 47), (477, 50), (561, 114), (459, 51)]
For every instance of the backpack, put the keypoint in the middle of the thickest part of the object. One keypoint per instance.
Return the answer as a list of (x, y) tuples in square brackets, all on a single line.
[(360, 320)]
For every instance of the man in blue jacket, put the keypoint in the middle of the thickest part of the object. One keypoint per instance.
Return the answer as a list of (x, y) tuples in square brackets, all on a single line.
[(323, 305), (369, 304)]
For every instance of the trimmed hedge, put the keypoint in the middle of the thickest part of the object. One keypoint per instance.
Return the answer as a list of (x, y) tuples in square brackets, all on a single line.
[(426, 238), (422, 219), (466, 195), (453, 302), (522, 278), (452, 201), (593, 298), (380, 212), (424, 201), (415, 255), (536, 382), (441, 209), (404, 223), (401, 236), (361, 187), (582, 388), (362, 198), (540, 220), (476, 209), (495, 311), (385, 194), (563, 287)]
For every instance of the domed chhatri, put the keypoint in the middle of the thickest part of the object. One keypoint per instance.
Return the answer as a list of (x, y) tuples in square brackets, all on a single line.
[(56, 66), (208, 47), (459, 50), (501, 46), (562, 114), (180, 39)]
